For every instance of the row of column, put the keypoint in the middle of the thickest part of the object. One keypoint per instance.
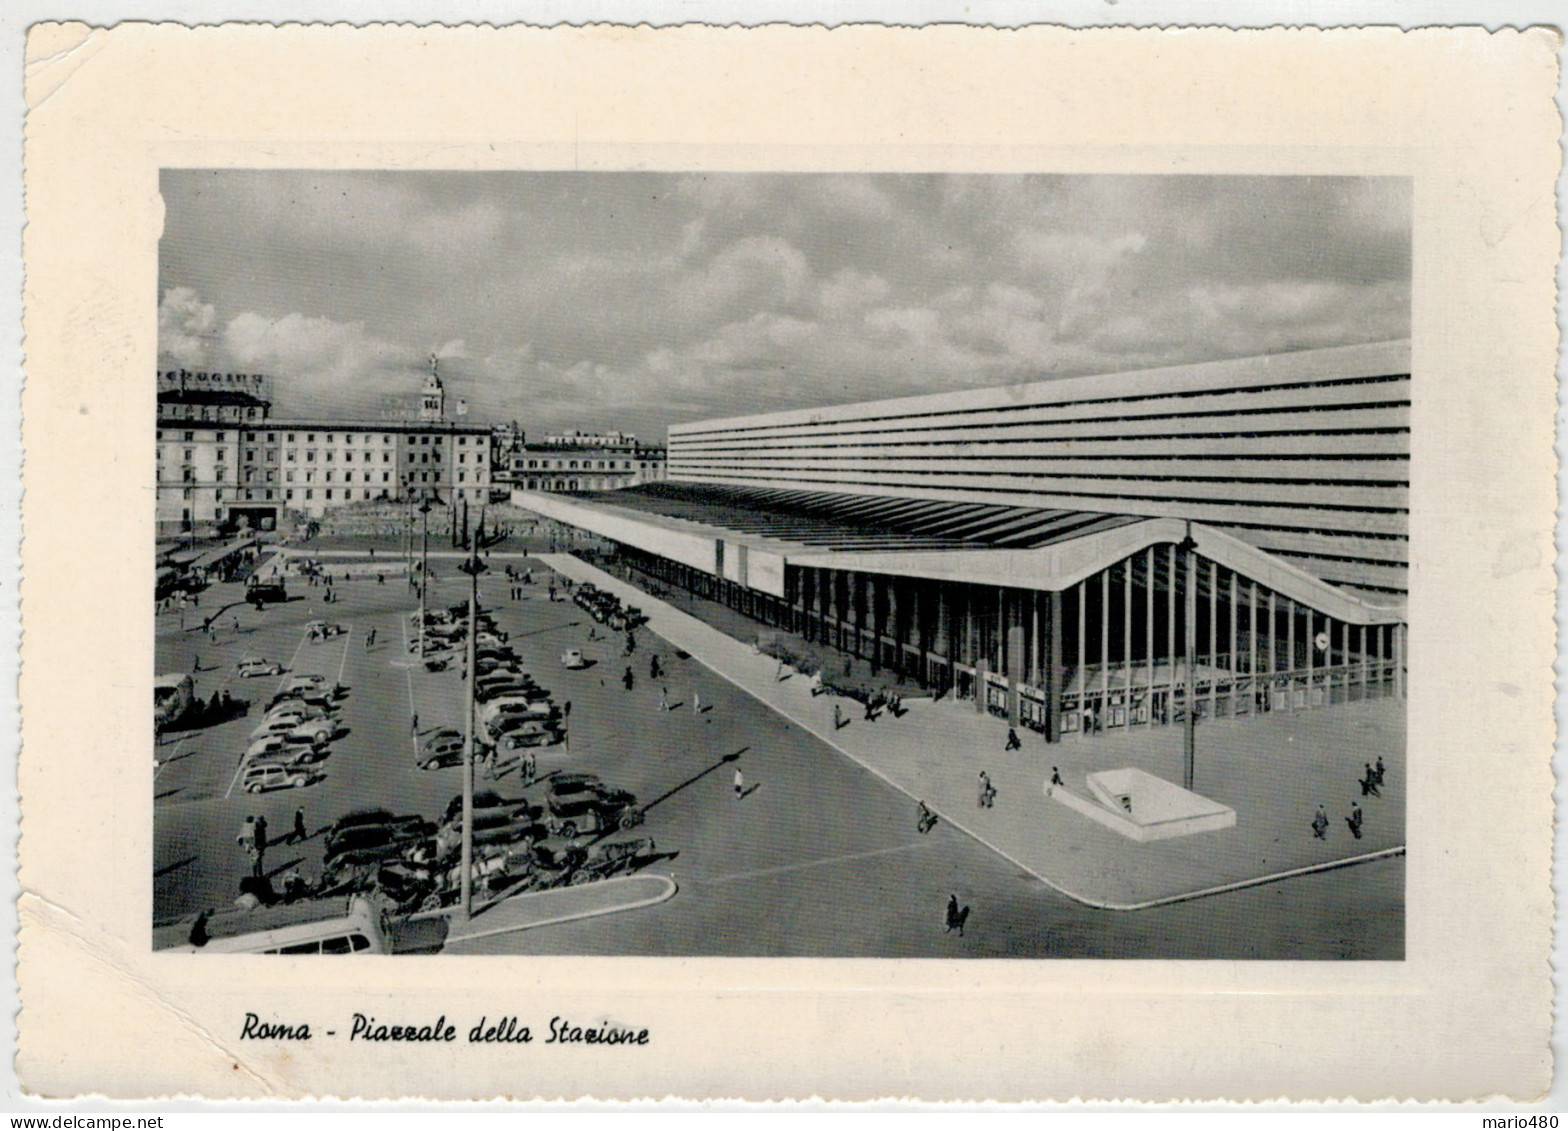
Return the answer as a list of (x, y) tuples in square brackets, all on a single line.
[(1041, 655)]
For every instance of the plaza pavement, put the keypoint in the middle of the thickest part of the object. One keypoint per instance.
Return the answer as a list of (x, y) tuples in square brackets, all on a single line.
[(1274, 770)]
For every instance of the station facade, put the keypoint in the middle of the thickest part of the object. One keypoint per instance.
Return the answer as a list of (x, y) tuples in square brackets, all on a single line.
[(1078, 555)]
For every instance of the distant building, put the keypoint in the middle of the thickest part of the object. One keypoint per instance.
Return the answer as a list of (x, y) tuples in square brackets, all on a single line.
[(223, 459), (586, 461)]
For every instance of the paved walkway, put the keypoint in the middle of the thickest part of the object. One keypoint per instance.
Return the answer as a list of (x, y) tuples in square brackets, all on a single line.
[(1274, 770)]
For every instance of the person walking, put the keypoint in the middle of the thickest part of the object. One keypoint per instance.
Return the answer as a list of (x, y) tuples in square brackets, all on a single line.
[(696, 703), (298, 834), (664, 698), (1320, 824), (370, 640), (413, 726), (1012, 740), (740, 784), (838, 716), (1379, 770), (653, 667), (987, 794), (1056, 776), (1354, 821), (259, 847), (628, 680)]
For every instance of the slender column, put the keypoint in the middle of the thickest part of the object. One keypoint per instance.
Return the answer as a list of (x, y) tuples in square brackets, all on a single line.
[(1036, 676), (1015, 649), (1399, 661), (1080, 661), (1127, 644), (1105, 643), (1312, 647), (1273, 643), (1170, 629), (1252, 642), (1190, 722), (1148, 635), (1235, 583), (1052, 680), (1214, 637), (1290, 637), (1362, 632)]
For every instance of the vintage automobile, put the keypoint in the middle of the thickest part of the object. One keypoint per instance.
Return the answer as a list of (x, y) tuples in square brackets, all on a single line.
[(443, 748), (252, 666), (267, 776), (573, 660)]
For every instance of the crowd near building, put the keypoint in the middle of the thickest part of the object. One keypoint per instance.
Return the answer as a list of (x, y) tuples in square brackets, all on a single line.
[(1078, 555), (224, 460)]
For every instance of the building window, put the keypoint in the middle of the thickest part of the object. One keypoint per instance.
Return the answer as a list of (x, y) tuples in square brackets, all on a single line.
[(310, 457), (218, 436), (289, 475), (250, 455), (289, 494), (309, 494), (190, 454), (329, 492), (272, 437), (385, 476), (272, 455), (186, 493), (328, 457), (223, 454), (269, 494), (386, 457), (310, 438), (290, 439), (329, 477), (222, 474), (271, 475)]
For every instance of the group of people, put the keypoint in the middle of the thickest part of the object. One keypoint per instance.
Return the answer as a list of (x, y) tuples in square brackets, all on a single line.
[(1372, 777), (252, 837)]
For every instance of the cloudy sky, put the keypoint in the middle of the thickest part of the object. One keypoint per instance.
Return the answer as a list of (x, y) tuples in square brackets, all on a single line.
[(636, 301)]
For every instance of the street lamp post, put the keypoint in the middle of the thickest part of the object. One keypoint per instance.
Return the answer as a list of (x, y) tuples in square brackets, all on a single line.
[(1190, 638), (473, 567), (424, 573)]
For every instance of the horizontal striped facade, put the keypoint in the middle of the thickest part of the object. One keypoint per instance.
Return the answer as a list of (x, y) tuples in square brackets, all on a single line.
[(1303, 455)]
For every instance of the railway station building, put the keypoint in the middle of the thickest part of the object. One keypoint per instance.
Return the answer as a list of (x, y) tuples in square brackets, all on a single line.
[(1082, 554)]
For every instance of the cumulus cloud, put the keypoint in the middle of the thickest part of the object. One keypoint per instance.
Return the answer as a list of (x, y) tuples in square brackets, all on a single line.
[(641, 299), (185, 326)]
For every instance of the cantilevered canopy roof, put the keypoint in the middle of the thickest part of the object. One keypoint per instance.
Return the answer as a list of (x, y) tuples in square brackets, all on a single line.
[(973, 543), (826, 521)]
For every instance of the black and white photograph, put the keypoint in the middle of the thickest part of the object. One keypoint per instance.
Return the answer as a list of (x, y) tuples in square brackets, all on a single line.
[(718, 564)]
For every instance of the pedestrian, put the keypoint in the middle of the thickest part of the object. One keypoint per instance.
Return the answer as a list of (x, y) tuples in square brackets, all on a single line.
[(1056, 776), (1320, 824), (1379, 769), (381, 579), (664, 698), (1354, 821), (370, 640), (1369, 781), (740, 784), (838, 716), (653, 667), (871, 710), (956, 916), (927, 819), (1012, 740), (986, 792), (261, 834), (414, 725), (299, 833), (247, 833), (696, 703), (628, 680)]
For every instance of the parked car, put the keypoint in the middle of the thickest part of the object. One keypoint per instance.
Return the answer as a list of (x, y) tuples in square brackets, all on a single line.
[(268, 776), (323, 630), (252, 666), (280, 747), (488, 801), (572, 659), (443, 748)]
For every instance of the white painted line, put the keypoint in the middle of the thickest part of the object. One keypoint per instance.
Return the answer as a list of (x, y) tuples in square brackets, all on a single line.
[(826, 860), (667, 888), (343, 663)]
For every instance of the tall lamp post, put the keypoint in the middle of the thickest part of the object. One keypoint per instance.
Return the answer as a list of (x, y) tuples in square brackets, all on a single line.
[(424, 572), (473, 567)]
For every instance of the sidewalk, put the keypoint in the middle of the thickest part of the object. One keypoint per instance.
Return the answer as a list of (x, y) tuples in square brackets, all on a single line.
[(1273, 770), (558, 905)]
